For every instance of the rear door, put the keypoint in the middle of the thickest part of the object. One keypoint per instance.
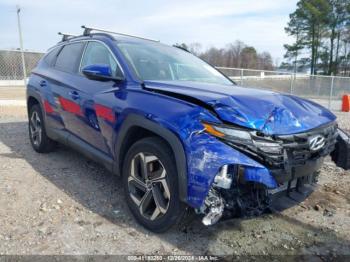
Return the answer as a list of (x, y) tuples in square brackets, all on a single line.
[(44, 77), (65, 86)]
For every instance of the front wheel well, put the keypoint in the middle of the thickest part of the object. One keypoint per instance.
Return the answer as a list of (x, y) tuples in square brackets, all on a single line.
[(133, 135), (137, 127)]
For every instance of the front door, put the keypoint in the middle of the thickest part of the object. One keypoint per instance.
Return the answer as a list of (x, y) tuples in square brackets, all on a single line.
[(96, 114)]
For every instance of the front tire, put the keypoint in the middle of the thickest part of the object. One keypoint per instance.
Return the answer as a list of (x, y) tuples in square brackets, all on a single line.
[(151, 185), (41, 143)]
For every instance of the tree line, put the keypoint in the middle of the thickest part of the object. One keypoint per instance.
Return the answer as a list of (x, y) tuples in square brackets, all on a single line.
[(236, 54), (321, 31)]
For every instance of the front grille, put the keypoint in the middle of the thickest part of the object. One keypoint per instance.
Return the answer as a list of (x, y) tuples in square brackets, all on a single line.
[(293, 159), (296, 147)]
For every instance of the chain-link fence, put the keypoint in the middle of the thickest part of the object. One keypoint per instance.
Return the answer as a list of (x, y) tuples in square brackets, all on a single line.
[(325, 90), (11, 68)]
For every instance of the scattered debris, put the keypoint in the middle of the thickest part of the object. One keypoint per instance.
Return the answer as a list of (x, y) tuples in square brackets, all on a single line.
[(285, 246), (317, 207), (329, 213), (303, 206), (57, 207)]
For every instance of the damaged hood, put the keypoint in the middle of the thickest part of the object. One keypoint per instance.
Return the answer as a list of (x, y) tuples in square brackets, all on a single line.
[(265, 111)]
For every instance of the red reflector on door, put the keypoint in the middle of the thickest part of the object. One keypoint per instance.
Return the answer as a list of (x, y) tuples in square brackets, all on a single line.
[(47, 107), (70, 106), (105, 113)]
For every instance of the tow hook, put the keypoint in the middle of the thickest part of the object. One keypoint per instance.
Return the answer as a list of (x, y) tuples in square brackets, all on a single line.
[(213, 208)]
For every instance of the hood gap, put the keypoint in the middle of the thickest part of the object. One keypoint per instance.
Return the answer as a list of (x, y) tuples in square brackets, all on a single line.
[(186, 98)]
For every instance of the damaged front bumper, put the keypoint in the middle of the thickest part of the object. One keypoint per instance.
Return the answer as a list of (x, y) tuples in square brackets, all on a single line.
[(243, 190), (247, 199)]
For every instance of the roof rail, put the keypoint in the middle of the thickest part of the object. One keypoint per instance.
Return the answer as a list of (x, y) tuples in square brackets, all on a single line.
[(87, 31), (66, 36)]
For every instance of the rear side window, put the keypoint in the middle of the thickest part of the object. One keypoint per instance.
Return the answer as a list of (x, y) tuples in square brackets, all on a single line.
[(69, 58)]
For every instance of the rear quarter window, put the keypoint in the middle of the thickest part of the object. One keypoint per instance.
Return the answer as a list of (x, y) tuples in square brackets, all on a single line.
[(68, 59), (50, 57)]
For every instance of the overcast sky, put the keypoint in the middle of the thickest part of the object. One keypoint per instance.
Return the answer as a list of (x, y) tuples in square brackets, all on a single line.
[(259, 23)]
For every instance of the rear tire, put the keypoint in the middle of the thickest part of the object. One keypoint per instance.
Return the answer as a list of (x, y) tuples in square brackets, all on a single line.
[(151, 185), (41, 143)]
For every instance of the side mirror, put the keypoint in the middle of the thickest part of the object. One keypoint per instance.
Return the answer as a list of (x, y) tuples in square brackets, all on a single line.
[(99, 72)]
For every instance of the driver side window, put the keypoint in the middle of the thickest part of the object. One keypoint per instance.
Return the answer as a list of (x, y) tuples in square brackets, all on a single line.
[(97, 53)]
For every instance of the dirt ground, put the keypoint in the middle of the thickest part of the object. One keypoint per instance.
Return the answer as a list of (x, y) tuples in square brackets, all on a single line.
[(63, 203)]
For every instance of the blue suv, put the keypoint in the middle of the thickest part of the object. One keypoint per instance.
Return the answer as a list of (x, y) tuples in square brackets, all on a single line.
[(179, 133)]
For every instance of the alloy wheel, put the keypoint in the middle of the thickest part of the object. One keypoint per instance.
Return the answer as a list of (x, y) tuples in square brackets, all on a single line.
[(148, 185), (35, 128)]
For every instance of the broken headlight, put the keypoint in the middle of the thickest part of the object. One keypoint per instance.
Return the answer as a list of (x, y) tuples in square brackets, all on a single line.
[(244, 138), (269, 147), (228, 133)]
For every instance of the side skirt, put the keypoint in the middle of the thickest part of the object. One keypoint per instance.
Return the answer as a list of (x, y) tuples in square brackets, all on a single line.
[(81, 146)]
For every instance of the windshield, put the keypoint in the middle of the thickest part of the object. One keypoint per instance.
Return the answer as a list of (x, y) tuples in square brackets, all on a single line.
[(153, 61)]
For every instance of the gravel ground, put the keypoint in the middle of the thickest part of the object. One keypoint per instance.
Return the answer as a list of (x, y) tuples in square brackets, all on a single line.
[(63, 203)]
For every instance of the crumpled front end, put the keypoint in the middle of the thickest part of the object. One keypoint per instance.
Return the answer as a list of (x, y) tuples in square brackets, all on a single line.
[(266, 111), (232, 177), (216, 168), (208, 155), (244, 146)]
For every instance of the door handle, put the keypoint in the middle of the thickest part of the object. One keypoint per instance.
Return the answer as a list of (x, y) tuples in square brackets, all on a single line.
[(43, 83), (74, 94)]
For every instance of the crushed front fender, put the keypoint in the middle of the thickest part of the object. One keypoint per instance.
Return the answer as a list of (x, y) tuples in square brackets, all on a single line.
[(206, 155)]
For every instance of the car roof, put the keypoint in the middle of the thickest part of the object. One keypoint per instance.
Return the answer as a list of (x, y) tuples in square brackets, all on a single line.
[(105, 37)]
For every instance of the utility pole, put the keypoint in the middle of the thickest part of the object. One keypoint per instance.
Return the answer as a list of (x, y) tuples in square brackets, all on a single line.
[(21, 45)]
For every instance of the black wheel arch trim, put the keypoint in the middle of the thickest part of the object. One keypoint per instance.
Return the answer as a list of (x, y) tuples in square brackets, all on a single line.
[(32, 94), (134, 120)]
